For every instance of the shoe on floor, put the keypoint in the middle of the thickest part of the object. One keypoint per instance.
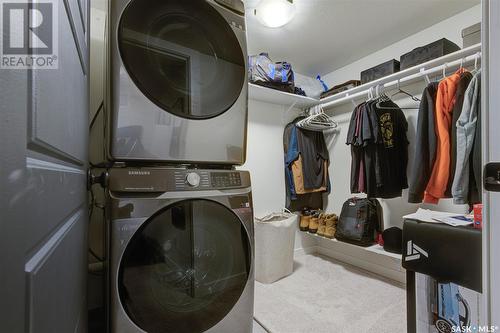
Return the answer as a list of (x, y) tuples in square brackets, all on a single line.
[(322, 224), (330, 225), (314, 223), (305, 219)]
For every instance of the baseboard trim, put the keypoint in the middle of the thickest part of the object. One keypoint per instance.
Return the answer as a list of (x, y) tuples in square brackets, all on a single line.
[(372, 262), (398, 275), (306, 250)]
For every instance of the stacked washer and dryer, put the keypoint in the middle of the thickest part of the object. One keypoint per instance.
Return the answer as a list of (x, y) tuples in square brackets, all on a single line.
[(181, 219)]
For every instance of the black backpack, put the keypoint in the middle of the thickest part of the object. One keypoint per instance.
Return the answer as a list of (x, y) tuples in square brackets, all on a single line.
[(360, 221)]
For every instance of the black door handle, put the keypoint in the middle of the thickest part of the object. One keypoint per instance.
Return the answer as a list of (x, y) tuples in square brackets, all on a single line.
[(492, 177)]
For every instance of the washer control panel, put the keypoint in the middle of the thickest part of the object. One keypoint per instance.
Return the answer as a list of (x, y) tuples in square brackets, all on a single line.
[(171, 179), (193, 179), (225, 179)]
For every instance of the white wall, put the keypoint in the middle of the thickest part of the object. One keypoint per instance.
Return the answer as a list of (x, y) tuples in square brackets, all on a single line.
[(265, 156), (265, 162), (450, 28)]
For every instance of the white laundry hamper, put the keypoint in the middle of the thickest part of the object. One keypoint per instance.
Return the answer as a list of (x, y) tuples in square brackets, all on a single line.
[(274, 246)]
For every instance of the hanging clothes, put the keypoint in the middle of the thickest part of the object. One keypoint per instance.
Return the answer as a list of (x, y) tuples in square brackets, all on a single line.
[(468, 146), (475, 193), (306, 166), (298, 178), (312, 147), (292, 153), (425, 145), (392, 150), (379, 149), (445, 100), (357, 151), (462, 86)]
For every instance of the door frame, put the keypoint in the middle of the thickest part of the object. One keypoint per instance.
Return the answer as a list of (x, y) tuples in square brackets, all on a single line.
[(491, 152)]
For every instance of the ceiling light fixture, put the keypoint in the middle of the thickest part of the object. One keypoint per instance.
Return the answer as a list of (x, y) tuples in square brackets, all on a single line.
[(275, 13)]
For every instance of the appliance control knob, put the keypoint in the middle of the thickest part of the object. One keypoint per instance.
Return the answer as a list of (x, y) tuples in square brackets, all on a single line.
[(193, 179)]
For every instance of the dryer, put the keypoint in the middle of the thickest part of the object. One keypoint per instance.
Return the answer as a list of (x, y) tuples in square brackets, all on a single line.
[(181, 250), (178, 81)]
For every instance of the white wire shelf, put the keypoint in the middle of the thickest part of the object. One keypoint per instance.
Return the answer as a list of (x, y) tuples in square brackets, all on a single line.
[(280, 97), (447, 63)]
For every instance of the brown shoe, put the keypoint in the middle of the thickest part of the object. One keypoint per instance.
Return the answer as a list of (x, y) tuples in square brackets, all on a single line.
[(331, 225), (330, 232), (305, 219), (331, 220), (314, 223), (322, 224)]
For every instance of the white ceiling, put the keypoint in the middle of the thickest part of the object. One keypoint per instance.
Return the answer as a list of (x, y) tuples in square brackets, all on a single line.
[(328, 34)]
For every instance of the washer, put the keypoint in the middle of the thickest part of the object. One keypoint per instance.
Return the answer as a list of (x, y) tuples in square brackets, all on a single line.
[(181, 250), (178, 81)]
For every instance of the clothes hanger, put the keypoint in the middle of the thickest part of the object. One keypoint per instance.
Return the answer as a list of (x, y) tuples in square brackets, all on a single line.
[(352, 100), (425, 75), (401, 91), (370, 94), (476, 65), (385, 98), (318, 120), (445, 66)]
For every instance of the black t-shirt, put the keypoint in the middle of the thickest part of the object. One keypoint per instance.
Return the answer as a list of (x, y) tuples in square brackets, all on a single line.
[(354, 138), (379, 149), (314, 153), (391, 150)]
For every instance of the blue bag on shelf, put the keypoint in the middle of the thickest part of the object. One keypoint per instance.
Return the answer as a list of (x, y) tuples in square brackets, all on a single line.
[(263, 71)]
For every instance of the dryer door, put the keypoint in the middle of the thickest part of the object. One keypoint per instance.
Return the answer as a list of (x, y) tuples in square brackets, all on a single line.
[(185, 268), (183, 55)]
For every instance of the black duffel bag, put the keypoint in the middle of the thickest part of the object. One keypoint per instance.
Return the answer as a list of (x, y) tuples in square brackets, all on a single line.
[(360, 221)]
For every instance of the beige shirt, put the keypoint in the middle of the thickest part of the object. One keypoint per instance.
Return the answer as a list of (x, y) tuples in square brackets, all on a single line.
[(298, 178)]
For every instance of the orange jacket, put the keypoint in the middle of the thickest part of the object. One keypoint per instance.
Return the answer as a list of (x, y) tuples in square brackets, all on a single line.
[(445, 101)]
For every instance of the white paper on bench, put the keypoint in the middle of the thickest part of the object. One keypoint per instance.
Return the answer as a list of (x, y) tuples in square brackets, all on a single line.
[(431, 216)]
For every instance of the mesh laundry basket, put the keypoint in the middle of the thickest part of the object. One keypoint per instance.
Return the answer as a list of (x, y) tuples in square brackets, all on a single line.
[(274, 245)]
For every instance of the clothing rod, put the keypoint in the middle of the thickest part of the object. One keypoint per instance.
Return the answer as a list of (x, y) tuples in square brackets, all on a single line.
[(448, 62)]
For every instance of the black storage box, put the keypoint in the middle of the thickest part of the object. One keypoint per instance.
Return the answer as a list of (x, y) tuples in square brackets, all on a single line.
[(428, 52), (472, 35), (446, 253), (384, 69)]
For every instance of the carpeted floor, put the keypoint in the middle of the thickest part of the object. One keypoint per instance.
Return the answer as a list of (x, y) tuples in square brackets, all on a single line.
[(323, 295)]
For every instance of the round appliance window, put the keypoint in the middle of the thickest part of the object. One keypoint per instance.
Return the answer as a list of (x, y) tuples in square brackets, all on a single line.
[(183, 55), (185, 268)]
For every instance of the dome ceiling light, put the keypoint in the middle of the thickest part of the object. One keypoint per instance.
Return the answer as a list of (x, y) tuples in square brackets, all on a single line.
[(275, 13)]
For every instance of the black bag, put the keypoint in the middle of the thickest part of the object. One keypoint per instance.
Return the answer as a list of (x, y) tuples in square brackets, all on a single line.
[(359, 222)]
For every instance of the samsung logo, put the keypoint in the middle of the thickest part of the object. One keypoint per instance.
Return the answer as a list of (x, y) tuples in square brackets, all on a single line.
[(139, 173)]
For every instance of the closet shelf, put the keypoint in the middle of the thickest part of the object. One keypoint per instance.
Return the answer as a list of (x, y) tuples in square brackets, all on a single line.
[(373, 258), (375, 249), (448, 63), (273, 96)]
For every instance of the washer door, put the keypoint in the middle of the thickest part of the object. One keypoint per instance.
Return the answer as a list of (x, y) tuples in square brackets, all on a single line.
[(185, 268), (183, 55)]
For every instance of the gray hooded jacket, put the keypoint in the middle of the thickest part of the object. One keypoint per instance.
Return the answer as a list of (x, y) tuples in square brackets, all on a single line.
[(466, 130)]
